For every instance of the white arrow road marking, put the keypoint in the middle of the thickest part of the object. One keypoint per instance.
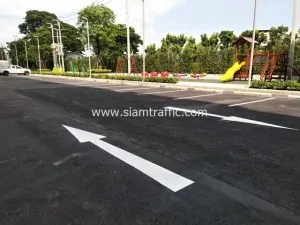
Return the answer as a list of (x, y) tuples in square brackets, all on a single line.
[(229, 118), (163, 176)]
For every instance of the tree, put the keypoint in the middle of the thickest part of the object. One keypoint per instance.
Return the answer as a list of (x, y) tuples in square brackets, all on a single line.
[(227, 38), (188, 55), (150, 57), (204, 40), (170, 40), (121, 39), (34, 20), (36, 25), (2, 53), (259, 36), (102, 28), (212, 41), (279, 39)]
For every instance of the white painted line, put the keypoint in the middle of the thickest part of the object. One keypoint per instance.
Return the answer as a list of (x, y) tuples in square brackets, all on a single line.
[(114, 86), (253, 93), (198, 96), (133, 89), (252, 102), (294, 96), (65, 159), (5, 161), (228, 118), (161, 92), (208, 90), (163, 176)]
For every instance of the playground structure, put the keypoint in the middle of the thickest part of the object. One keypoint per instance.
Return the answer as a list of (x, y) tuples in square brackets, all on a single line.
[(269, 66)]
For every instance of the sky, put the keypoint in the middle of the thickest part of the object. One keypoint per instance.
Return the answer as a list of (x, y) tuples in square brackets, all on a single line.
[(189, 17)]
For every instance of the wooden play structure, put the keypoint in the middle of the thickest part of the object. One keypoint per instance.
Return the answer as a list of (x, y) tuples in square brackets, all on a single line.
[(122, 65), (269, 66)]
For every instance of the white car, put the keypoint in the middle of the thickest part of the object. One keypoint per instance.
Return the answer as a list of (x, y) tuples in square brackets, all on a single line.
[(13, 69)]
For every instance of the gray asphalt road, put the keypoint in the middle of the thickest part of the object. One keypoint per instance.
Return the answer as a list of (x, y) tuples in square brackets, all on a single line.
[(237, 164)]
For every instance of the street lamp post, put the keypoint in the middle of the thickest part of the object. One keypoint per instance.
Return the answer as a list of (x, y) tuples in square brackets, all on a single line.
[(38, 43), (144, 53), (128, 40), (253, 43), (293, 39), (17, 60), (26, 54), (88, 40)]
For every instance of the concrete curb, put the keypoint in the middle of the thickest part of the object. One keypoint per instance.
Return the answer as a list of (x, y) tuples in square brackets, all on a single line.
[(230, 90)]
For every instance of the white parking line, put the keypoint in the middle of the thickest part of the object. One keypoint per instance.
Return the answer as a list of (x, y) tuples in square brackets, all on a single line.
[(246, 103), (65, 159), (294, 96), (113, 86), (132, 89), (198, 96), (161, 92), (5, 161)]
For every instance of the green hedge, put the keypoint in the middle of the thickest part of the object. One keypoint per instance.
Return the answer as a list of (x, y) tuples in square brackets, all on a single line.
[(170, 80), (276, 85), (101, 71)]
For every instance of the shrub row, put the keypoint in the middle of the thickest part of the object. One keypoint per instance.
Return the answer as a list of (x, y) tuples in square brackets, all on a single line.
[(276, 85), (170, 80), (101, 71)]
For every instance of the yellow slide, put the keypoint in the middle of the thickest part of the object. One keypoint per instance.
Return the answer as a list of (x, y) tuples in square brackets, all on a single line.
[(228, 76)]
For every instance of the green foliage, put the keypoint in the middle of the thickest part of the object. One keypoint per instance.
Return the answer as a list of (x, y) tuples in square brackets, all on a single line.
[(227, 38), (277, 85), (162, 79), (36, 24), (109, 40), (101, 71), (34, 20)]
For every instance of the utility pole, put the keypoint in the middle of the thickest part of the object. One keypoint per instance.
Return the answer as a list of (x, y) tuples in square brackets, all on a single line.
[(17, 60), (61, 47), (26, 54), (293, 39), (58, 50), (88, 43), (40, 64), (253, 44), (128, 40), (144, 53), (53, 46)]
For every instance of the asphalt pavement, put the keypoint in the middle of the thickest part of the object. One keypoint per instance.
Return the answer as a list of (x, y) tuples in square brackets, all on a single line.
[(236, 161)]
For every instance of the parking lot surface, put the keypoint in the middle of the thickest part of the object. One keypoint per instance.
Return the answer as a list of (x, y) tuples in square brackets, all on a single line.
[(236, 161)]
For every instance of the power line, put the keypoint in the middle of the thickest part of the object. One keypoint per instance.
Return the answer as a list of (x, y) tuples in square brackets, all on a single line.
[(109, 1), (75, 13), (68, 20)]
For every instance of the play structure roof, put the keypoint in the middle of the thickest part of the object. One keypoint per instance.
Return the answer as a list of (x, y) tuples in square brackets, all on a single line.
[(245, 40)]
